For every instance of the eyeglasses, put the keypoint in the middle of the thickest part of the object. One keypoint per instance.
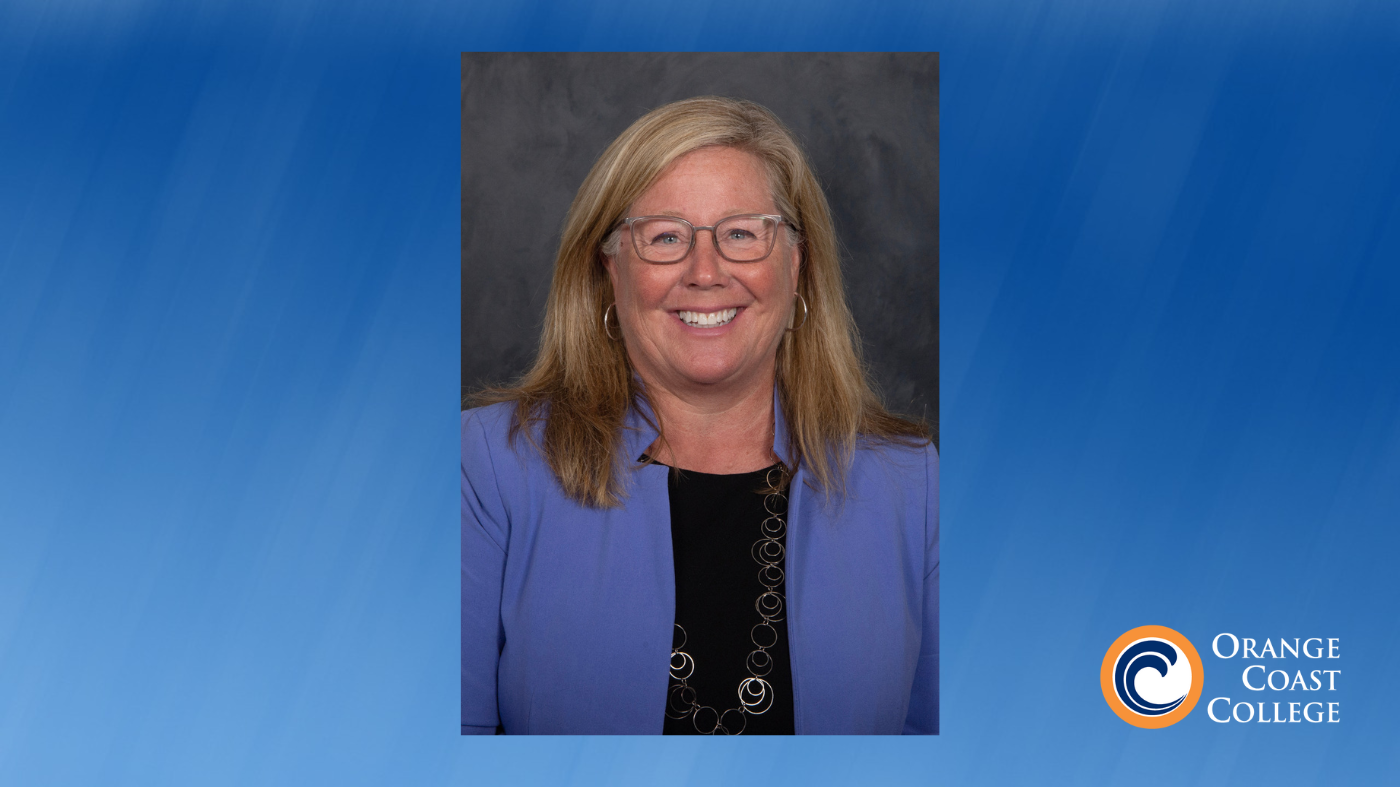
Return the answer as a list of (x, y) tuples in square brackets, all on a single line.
[(666, 239)]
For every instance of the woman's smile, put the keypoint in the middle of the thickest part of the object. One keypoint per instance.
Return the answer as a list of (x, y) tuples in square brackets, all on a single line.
[(708, 319)]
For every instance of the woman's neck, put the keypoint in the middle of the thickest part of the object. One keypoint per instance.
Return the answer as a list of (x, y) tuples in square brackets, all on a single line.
[(714, 434)]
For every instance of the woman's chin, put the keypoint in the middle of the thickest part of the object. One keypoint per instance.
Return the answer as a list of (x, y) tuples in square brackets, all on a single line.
[(709, 374)]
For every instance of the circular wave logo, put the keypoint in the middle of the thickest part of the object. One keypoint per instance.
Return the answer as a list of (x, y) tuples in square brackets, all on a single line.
[(1152, 677)]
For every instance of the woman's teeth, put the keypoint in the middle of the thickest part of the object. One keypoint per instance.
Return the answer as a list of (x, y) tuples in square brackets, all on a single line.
[(707, 320)]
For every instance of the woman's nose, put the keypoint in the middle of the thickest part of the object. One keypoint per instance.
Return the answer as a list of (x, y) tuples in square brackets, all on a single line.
[(705, 263)]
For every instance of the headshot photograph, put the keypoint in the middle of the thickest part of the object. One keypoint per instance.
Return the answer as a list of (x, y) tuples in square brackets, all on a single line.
[(699, 433)]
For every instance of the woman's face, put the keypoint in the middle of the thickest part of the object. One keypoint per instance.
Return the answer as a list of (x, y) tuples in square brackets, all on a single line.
[(671, 314)]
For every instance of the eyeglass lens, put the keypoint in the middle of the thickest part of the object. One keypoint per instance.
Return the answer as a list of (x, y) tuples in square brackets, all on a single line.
[(739, 238)]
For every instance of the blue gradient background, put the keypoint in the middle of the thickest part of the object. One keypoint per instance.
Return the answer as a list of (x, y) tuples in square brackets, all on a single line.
[(229, 379)]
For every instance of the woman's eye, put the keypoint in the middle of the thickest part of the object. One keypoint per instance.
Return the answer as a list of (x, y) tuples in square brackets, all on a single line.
[(668, 239), (740, 235)]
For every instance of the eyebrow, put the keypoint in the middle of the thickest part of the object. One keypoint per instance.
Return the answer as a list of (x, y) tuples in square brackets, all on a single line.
[(728, 213)]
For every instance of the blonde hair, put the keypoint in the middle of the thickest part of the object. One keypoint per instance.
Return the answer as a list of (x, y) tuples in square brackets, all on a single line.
[(582, 382)]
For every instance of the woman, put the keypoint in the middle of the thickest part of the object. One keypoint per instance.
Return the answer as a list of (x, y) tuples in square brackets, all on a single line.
[(696, 472)]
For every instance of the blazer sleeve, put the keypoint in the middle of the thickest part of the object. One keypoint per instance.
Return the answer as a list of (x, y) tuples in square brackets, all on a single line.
[(923, 703), (485, 530)]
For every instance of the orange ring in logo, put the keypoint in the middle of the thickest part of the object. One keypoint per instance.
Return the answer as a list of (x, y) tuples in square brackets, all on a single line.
[(1198, 676)]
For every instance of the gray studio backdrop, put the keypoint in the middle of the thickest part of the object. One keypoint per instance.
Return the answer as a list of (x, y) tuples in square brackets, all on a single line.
[(533, 123)]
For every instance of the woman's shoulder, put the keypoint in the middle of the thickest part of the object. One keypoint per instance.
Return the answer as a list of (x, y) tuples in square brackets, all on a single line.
[(908, 455), (491, 437), (489, 425), (498, 461), (884, 469)]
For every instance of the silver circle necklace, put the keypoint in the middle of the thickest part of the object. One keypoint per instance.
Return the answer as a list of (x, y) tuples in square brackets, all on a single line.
[(755, 692)]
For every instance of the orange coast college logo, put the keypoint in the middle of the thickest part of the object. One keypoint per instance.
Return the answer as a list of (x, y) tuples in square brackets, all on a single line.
[(1152, 677)]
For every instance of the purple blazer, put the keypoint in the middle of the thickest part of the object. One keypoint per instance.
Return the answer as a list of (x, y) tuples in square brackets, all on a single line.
[(567, 611)]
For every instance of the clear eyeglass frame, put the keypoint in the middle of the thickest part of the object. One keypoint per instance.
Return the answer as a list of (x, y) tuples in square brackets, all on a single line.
[(714, 236)]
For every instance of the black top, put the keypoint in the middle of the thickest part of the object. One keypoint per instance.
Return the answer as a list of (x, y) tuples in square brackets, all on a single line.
[(716, 520)]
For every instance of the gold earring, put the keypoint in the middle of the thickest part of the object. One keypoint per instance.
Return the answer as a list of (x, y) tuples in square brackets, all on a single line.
[(804, 312), (605, 321)]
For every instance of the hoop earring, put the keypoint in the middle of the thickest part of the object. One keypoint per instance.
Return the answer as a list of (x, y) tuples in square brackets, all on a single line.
[(804, 312), (605, 321)]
